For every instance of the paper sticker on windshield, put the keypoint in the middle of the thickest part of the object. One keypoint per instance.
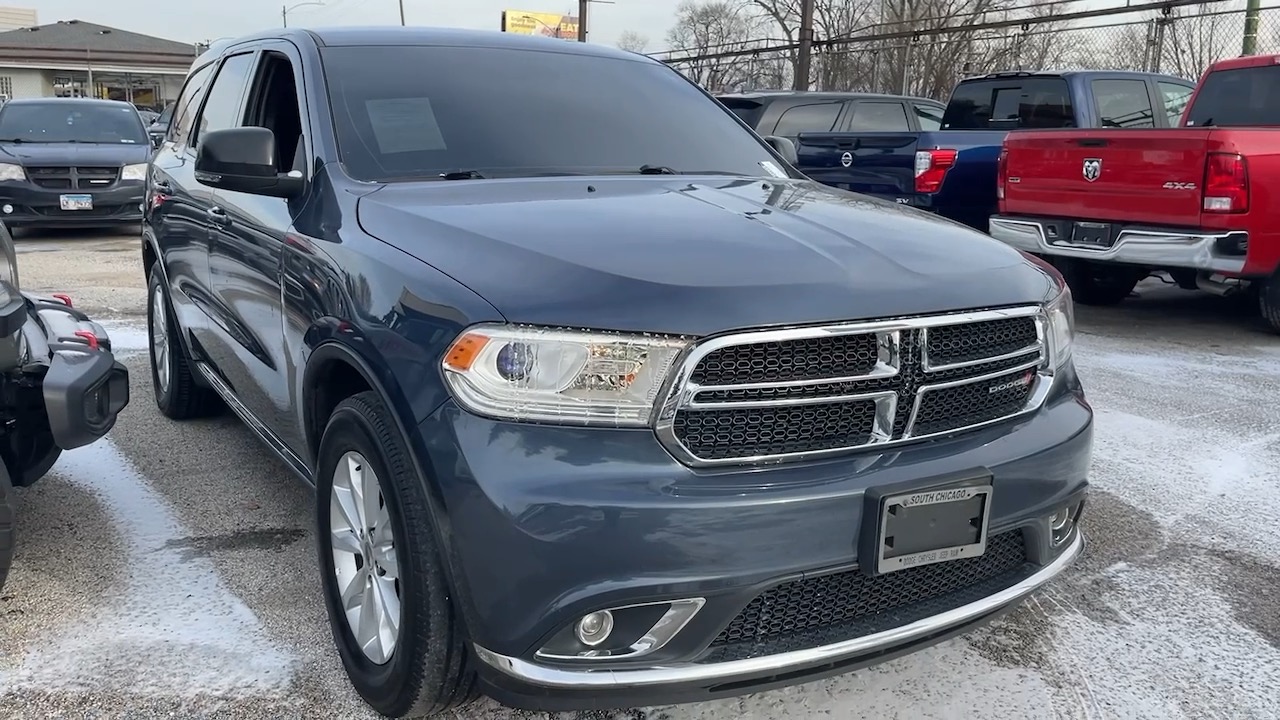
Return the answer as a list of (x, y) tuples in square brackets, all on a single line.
[(772, 169)]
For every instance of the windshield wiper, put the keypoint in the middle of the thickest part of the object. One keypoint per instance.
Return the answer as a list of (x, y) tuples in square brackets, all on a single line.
[(657, 170), (17, 140), (461, 175)]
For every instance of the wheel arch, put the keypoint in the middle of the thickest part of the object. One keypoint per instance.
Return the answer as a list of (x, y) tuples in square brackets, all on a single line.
[(332, 359)]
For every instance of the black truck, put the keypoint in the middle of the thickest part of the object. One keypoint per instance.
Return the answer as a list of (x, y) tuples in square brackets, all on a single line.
[(949, 167), (60, 387)]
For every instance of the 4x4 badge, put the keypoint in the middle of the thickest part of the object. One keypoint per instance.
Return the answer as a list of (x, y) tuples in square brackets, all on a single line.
[(1092, 168)]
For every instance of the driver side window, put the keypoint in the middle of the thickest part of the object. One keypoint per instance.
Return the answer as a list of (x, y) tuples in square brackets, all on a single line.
[(273, 104)]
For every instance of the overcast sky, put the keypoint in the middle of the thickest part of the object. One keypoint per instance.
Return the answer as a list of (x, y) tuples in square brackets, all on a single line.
[(199, 20)]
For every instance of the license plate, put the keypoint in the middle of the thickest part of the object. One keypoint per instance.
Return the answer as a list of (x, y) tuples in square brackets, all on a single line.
[(76, 202), (931, 525), (1092, 234)]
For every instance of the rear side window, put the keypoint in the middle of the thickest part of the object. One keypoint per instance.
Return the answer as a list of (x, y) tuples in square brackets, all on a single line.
[(879, 117), (1123, 104), (1175, 97), (184, 110), (929, 116), (815, 117), (748, 110), (1240, 97), (1007, 103)]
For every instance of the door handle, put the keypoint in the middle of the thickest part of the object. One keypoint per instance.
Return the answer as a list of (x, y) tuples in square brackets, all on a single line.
[(162, 186), (218, 216)]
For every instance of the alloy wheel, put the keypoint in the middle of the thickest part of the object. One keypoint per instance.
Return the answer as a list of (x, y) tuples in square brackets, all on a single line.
[(160, 338), (364, 557)]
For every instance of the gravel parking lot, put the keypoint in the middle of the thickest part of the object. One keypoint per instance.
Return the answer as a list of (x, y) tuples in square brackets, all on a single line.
[(169, 571)]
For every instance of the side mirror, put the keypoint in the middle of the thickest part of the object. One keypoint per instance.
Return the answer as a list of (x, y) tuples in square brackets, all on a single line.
[(243, 160), (785, 148)]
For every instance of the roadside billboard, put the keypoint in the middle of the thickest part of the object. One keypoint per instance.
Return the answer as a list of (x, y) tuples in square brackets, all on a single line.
[(523, 22)]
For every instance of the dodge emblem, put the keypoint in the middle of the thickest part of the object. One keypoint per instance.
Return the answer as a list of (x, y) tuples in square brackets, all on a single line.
[(846, 159), (1092, 168)]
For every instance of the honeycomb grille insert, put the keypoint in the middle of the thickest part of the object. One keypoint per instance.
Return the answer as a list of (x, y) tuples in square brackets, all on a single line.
[(831, 608)]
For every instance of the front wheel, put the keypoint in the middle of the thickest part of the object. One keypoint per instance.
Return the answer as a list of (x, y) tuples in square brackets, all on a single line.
[(397, 632)]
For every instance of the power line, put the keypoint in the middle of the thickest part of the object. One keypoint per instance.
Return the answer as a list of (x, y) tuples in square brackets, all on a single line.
[(1166, 6)]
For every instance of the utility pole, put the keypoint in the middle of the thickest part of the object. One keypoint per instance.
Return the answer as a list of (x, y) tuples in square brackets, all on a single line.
[(1252, 12), (582, 19), (401, 13), (805, 59), (284, 16)]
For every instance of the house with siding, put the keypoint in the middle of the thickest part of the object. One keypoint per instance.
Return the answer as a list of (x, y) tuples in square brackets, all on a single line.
[(74, 58)]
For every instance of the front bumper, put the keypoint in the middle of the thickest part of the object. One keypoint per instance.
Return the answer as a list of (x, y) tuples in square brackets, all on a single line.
[(84, 387), (526, 684), (31, 206), (547, 524), (1218, 251)]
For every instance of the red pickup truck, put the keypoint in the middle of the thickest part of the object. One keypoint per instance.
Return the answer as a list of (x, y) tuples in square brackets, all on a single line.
[(1200, 201)]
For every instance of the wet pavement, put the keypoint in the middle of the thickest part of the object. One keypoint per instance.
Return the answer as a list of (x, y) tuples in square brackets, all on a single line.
[(170, 571)]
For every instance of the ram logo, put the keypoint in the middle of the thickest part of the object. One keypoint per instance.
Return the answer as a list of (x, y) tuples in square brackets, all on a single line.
[(1092, 168), (1179, 186), (1011, 384)]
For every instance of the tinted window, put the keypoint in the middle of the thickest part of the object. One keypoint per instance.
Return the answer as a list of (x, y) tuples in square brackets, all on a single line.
[(929, 116), (71, 121), (188, 105), (1241, 97), (1123, 104), (816, 117), (879, 117), (165, 116), (402, 111), (1175, 99), (1043, 102), (223, 107), (748, 110)]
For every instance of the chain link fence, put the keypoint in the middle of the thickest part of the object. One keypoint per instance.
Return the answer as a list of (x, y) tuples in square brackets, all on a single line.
[(1180, 41)]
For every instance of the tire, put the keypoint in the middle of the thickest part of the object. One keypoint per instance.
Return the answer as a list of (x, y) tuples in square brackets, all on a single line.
[(1268, 292), (42, 459), (428, 670), (1102, 285), (178, 395), (7, 519)]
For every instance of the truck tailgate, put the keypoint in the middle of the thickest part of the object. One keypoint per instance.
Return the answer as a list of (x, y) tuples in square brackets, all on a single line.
[(880, 163), (1116, 174)]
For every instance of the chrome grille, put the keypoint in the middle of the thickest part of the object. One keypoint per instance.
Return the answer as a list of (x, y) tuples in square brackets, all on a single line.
[(806, 392)]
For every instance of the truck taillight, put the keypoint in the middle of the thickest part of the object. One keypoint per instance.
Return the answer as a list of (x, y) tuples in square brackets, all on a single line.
[(1002, 172), (931, 168), (1226, 183)]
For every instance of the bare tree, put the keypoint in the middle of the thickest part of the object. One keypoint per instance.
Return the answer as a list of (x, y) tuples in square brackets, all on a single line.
[(633, 41), (705, 28)]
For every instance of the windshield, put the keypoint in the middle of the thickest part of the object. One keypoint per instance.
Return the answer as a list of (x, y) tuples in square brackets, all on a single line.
[(1241, 97), (407, 112), (70, 121)]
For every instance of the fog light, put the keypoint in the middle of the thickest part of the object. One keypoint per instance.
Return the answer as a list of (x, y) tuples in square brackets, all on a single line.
[(7, 209), (594, 628), (1063, 522)]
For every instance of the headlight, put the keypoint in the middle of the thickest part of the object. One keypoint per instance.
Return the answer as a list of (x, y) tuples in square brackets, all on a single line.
[(1060, 327), (134, 172), (559, 376), (9, 171)]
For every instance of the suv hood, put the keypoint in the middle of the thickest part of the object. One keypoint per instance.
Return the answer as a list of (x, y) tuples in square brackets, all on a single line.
[(695, 256), (75, 153)]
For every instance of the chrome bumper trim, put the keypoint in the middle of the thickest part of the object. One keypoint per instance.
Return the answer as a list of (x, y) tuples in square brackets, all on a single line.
[(586, 679), (1139, 247)]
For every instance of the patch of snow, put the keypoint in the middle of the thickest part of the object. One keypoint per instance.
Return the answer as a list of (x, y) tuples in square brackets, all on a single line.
[(174, 630)]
